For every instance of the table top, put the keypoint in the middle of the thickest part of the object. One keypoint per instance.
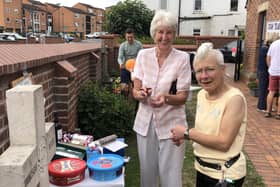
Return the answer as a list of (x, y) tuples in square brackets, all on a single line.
[(89, 182)]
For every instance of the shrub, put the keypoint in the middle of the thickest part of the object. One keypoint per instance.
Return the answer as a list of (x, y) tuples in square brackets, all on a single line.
[(101, 113), (149, 40), (253, 84)]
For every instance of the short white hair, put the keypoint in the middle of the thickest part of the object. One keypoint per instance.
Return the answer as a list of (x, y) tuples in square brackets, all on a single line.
[(205, 50), (163, 18)]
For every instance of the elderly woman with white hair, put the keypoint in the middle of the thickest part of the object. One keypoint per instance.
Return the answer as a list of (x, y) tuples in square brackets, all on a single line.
[(220, 124), (162, 78)]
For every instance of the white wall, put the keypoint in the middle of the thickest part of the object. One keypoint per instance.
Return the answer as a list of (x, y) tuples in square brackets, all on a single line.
[(222, 19)]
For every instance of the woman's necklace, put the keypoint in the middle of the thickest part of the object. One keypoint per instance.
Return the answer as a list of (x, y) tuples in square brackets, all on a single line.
[(162, 55)]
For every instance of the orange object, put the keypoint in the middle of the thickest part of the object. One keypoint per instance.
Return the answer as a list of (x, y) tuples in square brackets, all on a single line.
[(129, 64)]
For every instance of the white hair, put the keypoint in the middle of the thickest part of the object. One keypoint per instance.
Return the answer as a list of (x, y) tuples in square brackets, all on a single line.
[(205, 50), (163, 18)]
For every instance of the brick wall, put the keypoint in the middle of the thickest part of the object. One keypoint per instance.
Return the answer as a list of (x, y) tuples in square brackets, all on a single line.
[(61, 69), (111, 42), (252, 33)]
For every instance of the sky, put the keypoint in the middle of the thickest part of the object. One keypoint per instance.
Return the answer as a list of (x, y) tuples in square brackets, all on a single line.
[(94, 3)]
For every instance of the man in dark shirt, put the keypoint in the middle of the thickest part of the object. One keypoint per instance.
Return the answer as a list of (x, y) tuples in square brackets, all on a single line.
[(263, 77)]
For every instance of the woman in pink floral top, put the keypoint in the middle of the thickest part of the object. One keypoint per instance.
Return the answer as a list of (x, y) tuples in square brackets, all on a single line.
[(161, 107)]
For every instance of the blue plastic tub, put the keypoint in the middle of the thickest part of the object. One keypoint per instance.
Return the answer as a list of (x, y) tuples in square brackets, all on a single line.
[(91, 154), (105, 167)]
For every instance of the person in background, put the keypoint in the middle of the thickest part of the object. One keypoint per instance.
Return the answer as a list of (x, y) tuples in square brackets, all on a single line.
[(220, 124), (273, 63), (128, 50), (162, 79), (263, 77)]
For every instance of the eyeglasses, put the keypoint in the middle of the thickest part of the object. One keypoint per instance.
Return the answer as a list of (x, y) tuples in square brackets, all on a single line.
[(207, 70)]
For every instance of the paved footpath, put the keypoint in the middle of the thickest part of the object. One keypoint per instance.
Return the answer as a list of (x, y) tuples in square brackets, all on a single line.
[(262, 142)]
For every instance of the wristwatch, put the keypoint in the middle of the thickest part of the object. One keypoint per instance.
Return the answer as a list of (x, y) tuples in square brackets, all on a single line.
[(166, 99), (186, 134)]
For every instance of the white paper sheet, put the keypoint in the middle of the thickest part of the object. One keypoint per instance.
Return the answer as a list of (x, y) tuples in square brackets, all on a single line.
[(115, 145)]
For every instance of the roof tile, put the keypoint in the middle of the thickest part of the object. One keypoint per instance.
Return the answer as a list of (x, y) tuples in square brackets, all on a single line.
[(38, 54)]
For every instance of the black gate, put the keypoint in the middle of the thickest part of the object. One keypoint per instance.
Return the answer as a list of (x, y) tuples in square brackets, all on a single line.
[(238, 60)]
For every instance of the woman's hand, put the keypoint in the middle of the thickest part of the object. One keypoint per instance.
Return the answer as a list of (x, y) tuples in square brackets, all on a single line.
[(143, 94), (156, 101), (178, 132)]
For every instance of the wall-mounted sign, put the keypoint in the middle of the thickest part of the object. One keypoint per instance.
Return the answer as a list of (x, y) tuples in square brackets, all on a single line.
[(24, 80), (273, 26)]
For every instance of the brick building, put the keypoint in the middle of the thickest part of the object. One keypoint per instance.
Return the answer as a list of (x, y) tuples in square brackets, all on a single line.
[(260, 14), (69, 20), (11, 16), (90, 18), (34, 19), (23, 16)]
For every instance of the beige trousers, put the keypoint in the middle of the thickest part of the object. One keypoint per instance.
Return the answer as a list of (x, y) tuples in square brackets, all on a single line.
[(161, 162)]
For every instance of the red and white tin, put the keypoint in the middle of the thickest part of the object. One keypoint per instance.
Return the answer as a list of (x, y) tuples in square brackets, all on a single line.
[(66, 171)]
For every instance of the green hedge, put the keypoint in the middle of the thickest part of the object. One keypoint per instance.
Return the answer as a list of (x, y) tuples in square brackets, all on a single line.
[(102, 113), (149, 40)]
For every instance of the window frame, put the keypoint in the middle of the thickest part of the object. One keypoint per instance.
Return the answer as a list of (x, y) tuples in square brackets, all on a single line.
[(233, 5), (163, 4), (197, 3), (196, 31), (231, 32)]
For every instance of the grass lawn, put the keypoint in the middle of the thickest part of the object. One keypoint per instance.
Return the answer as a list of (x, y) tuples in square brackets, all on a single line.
[(132, 178)]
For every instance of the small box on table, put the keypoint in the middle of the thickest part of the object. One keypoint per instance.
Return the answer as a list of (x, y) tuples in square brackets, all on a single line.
[(120, 152)]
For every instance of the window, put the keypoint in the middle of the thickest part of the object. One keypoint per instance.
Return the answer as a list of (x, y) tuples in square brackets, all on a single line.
[(197, 5), (8, 20), (16, 11), (90, 10), (8, 1), (77, 15), (35, 18), (231, 32), (196, 32), (8, 10), (163, 4), (36, 28), (233, 5)]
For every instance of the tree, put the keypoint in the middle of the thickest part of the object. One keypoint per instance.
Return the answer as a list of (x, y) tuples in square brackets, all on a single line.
[(129, 14)]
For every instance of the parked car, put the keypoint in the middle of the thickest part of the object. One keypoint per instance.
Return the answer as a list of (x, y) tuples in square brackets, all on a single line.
[(68, 38), (229, 51), (12, 36), (94, 35), (7, 38)]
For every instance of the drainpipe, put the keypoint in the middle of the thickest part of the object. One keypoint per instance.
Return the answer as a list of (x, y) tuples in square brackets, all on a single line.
[(104, 61), (179, 16)]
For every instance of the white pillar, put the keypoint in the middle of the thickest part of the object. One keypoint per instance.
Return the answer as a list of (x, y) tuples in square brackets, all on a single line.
[(26, 114), (26, 117)]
